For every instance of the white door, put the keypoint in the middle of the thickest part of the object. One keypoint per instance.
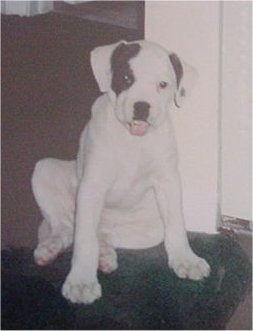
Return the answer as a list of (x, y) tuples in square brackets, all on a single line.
[(236, 106)]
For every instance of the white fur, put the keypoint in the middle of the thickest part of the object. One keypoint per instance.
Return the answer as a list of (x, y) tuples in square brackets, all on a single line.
[(123, 190)]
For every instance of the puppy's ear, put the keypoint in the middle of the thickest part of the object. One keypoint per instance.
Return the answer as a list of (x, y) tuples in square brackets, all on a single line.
[(100, 59), (186, 77)]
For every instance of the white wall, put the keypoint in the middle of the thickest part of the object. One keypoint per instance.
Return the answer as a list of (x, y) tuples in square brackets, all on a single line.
[(191, 29), (26, 8)]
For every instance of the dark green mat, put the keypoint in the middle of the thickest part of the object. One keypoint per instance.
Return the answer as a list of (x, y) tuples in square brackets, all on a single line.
[(142, 294)]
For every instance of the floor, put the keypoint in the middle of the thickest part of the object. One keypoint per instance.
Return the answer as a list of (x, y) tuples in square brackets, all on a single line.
[(242, 318), (188, 307)]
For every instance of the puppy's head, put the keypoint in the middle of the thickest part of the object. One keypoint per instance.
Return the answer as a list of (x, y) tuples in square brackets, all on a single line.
[(142, 80)]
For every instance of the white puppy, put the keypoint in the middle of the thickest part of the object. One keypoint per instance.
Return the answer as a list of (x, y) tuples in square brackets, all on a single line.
[(124, 188)]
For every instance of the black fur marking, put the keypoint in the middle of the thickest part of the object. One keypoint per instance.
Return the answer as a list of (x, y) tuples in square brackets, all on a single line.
[(178, 68), (122, 75)]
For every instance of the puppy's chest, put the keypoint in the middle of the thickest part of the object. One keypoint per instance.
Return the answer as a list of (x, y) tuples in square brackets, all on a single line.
[(132, 179), (132, 175)]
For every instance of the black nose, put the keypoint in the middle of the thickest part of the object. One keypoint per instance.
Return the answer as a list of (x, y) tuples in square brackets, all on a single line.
[(141, 110)]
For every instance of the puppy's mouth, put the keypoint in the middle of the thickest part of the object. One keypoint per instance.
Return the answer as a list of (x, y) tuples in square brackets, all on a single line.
[(138, 127)]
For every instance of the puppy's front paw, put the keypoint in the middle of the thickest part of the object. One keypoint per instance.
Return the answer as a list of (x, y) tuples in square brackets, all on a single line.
[(78, 291), (188, 265)]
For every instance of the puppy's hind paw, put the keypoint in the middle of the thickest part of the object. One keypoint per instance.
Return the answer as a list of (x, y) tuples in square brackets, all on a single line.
[(108, 260), (46, 252)]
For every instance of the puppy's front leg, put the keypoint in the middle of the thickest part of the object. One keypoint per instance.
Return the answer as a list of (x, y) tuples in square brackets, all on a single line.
[(184, 262), (81, 285)]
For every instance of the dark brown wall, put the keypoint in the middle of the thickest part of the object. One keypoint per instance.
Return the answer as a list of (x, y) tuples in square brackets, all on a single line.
[(47, 91)]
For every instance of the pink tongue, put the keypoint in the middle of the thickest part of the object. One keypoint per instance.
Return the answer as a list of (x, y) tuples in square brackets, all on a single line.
[(138, 128)]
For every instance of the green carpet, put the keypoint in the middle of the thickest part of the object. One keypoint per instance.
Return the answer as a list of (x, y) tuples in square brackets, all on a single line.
[(141, 294)]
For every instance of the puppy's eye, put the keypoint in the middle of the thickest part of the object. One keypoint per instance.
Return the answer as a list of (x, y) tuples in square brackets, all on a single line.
[(127, 79), (163, 84)]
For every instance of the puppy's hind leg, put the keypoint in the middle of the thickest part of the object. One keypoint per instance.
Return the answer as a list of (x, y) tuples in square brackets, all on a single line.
[(54, 187), (55, 240)]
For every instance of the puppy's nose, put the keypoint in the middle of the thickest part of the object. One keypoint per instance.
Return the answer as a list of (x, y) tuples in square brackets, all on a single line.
[(141, 110)]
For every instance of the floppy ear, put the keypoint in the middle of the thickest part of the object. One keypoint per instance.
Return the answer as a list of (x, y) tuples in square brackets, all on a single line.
[(186, 77), (100, 58)]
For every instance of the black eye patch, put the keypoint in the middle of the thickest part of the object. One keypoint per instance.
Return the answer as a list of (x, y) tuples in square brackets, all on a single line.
[(122, 75)]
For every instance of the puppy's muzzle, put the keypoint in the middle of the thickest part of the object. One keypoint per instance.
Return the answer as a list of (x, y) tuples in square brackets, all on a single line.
[(139, 125)]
